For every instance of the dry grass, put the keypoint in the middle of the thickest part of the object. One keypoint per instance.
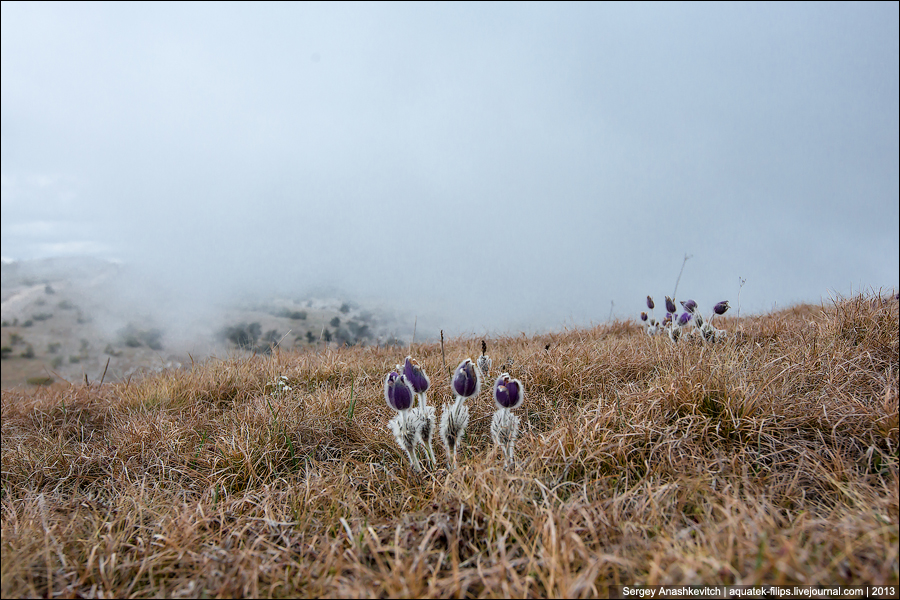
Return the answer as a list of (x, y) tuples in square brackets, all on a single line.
[(771, 458)]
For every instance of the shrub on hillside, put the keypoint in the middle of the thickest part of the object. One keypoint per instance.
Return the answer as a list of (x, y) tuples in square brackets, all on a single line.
[(244, 335)]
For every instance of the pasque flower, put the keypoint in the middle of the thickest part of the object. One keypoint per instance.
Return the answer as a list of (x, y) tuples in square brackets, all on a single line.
[(466, 383), (708, 331), (508, 394), (670, 305), (399, 395), (423, 415)]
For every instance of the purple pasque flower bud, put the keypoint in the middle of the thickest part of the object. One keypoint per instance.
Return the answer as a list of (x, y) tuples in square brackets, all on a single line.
[(644, 316), (650, 303), (398, 392), (689, 305), (721, 307), (466, 379), (416, 376), (670, 305), (508, 393), (684, 318)]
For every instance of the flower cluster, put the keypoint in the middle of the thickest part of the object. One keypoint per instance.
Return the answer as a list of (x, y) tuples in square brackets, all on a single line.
[(676, 326), (414, 426)]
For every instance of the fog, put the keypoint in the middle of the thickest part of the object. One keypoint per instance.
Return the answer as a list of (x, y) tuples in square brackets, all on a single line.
[(480, 168)]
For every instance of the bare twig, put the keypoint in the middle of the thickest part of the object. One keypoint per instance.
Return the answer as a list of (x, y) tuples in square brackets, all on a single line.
[(677, 281), (102, 377), (443, 356)]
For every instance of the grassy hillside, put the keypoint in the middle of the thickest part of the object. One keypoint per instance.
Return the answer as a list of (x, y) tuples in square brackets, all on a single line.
[(771, 457)]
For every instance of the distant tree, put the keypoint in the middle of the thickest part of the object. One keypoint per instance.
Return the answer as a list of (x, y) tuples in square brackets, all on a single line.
[(243, 335), (310, 337), (326, 335), (335, 322), (152, 338), (359, 331)]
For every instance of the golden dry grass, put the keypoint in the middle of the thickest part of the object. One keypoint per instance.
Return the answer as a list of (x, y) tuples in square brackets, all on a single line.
[(770, 458)]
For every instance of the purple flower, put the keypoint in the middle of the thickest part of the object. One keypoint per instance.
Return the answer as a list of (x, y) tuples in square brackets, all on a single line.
[(466, 379), (689, 305), (508, 393), (721, 307), (643, 316), (670, 305), (416, 376), (684, 318), (650, 303), (398, 392)]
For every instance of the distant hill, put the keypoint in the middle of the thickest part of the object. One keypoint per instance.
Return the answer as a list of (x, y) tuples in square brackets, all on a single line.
[(76, 318)]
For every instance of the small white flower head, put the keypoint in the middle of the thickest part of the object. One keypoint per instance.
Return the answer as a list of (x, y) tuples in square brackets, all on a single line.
[(466, 382), (508, 393)]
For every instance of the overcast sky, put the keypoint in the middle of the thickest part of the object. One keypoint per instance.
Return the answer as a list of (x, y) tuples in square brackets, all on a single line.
[(492, 167)]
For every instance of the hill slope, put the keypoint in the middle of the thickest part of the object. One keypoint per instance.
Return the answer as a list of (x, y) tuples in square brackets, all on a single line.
[(769, 458)]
